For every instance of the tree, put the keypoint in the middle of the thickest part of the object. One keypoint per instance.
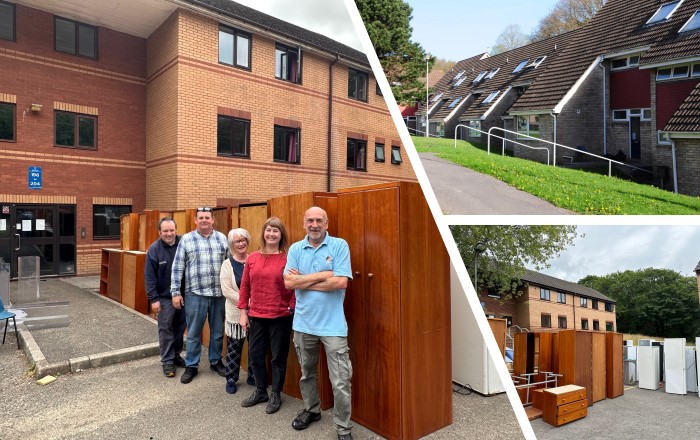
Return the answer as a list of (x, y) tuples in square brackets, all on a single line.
[(403, 61), (567, 15), (511, 38), (652, 302), (508, 250)]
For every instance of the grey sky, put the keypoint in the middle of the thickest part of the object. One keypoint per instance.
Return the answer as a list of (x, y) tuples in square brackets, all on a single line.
[(607, 249), (327, 17)]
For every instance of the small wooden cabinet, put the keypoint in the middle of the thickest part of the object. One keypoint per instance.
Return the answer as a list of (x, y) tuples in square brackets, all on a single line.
[(133, 286), (564, 404), (111, 274)]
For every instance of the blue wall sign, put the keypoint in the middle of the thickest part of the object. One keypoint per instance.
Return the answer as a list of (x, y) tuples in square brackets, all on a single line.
[(34, 178)]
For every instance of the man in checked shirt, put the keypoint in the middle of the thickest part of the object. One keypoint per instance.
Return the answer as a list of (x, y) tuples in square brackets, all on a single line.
[(198, 259)]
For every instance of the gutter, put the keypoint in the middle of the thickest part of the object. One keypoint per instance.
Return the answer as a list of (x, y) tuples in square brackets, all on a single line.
[(330, 122)]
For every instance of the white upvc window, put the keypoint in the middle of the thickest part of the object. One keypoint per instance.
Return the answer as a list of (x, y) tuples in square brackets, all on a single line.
[(521, 65), (664, 12), (474, 125), (528, 125), (436, 97), (480, 77), (624, 62), (458, 75), (692, 24), (664, 137), (455, 102), (491, 97), (619, 115), (537, 62), (493, 73), (643, 114), (666, 73)]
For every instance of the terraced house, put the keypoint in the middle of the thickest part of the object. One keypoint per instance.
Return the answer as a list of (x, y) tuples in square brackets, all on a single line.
[(546, 302), (626, 85), (115, 107)]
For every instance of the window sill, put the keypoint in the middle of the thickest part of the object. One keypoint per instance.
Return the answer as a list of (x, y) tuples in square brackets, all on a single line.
[(284, 162), (76, 148), (288, 81), (235, 66), (357, 169), (234, 156)]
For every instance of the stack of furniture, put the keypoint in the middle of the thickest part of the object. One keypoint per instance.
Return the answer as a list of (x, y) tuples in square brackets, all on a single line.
[(564, 404)]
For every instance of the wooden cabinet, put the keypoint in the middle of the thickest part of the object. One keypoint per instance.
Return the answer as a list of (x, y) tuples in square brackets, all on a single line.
[(575, 360), (398, 311), (111, 274), (598, 372), (564, 404), (133, 286), (613, 357)]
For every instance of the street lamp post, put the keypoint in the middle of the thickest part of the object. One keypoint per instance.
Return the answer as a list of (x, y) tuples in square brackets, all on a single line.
[(427, 87), (479, 248)]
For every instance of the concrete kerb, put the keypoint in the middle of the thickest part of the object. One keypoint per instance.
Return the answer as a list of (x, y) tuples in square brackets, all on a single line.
[(41, 367)]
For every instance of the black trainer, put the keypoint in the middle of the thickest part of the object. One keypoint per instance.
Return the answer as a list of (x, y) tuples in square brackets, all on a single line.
[(169, 369), (188, 375), (219, 368), (274, 404), (179, 361), (304, 419), (258, 396)]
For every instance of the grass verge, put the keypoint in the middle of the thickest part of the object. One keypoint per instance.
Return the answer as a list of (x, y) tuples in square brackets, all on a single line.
[(578, 191)]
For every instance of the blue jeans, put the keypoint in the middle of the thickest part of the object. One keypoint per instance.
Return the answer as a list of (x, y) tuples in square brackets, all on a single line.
[(197, 309)]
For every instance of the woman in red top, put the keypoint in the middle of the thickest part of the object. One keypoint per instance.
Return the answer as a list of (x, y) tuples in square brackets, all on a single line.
[(267, 308)]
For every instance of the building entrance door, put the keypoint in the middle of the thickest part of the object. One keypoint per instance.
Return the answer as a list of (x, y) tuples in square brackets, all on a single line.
[(635, 139), (46, 231)]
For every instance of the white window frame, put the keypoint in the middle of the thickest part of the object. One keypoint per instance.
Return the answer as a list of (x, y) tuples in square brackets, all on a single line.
[(667, 16), (694, 74), (458, 75), (673, 75), (528, 131), (521, 65), (474, 123), (480, 77), (436, 97), (628, 62), (683, 29), (491, 97), (663, 138), (455, 102), (493, 73), (535, 64), (644, 114), (616, 119), (461, 80)]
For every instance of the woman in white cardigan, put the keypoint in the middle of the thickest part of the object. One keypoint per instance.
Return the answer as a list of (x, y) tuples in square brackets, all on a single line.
[(231, 273)]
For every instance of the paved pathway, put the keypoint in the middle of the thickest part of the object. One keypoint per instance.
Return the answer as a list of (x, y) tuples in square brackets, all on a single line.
[(462, 191)]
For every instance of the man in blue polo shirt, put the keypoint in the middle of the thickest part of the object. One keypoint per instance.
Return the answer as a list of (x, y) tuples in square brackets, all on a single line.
[(318, 268)]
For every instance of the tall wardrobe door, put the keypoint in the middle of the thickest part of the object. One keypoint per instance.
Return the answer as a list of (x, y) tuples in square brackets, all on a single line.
[(383, 305), (351, 227)]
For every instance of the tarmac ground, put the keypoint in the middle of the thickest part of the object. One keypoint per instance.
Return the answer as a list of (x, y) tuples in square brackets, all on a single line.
[(117, 389)]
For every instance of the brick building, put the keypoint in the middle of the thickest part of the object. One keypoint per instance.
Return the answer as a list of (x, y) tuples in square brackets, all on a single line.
[(108, 108), (627, 84), (550, 303)]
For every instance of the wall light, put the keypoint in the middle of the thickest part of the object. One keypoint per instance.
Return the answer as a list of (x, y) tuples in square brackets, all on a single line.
[(36, 107)]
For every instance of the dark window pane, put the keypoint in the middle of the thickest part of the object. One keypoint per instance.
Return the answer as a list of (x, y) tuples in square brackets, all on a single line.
[(86, 129), (65, 129), (224, 127), (240, 137), (286, 147), (66, 221), (86, 41), (395, 155), (352, 83), (379, 152), (105, 220), (66, 261), (7, 22), (7, 121), (351, 154), (65, 36)]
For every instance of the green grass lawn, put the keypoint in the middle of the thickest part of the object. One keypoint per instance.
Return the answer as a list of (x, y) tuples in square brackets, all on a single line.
[(579, 191)]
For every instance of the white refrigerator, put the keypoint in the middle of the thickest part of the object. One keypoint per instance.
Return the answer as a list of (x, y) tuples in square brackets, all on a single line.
[(674, 366), (648, 367)]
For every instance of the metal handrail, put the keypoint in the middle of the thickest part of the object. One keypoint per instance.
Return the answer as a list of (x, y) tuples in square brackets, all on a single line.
[(554, 161), (421, 131), (505, 139)]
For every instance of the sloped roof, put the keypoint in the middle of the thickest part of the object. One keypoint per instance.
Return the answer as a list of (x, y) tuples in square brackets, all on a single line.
[(697, 268), (687, 117), (563, 286), (506, 62), (619, 25), (281, 27)]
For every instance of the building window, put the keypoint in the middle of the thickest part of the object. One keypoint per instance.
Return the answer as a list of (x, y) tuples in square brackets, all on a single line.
[(458, 75), (234, 47), (493, 73), (509, 320), (664, 137), (455, 102), (544, 294), (624, 62), (233, 136), (619, 115), (692, 24), (535, 64), (521, 65), (378, 89), (609, 307), (594, 304), (480, 77), (396, 155), (288, 63), (609, 326), (664, 12), (287, 145), (596, 325), (75, 130), (357, 155), (461, 80), (75, 38), (584, 324), (105, 220), (561, 298), (7, 21), (493, 292), (583, 302), (7, 122), (528, 125), (436, 97), (491, 97), (474, 127), (546, 321), (357, 85), (379, 152), (562, 321), (676, 72)]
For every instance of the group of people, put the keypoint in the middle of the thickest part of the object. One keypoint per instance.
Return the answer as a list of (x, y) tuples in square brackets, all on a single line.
[(263, 296)]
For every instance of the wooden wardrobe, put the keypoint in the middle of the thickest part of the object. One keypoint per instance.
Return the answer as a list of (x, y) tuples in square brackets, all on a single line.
[(575, 360), (398, 311)]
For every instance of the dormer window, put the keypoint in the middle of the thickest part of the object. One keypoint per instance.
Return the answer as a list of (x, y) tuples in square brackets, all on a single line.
[(438, 96), (455, 102), (491, 97), (664, 12), (672, 72), (521, 66), (461, 80), (492, 73), (625, 62), (692, 24), (480, 77), (458, 75), (537, 62)]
